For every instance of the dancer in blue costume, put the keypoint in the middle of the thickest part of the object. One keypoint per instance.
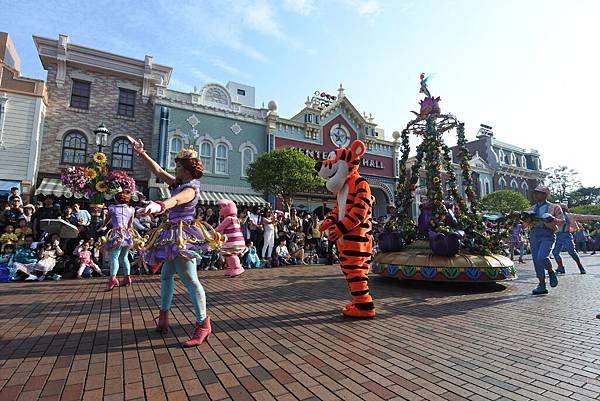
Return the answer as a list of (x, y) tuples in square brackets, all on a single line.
[(176, 242)]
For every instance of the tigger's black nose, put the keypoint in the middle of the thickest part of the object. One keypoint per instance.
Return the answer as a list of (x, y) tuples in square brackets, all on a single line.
[(318, 166)]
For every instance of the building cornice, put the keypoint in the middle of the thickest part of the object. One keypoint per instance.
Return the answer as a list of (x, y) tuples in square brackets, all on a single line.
[(256, 118), (60, 52)]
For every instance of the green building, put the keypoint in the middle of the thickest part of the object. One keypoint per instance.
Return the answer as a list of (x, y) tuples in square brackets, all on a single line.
[(222, 124)]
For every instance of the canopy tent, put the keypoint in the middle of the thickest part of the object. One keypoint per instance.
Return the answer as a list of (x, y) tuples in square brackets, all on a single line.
[(211, 198), (53, 186)]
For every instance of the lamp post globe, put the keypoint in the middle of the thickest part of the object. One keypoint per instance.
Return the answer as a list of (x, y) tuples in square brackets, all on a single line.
[(101, 134)]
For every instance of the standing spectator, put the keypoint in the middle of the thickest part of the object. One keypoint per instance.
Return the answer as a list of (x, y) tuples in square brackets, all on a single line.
[(15, 192), (305, 222), (14, 213), (45, 212), (581, 239), (83, 216), (243, 218), (211, 217), (268, 235), (28, 211), (294, 220), (282, 229), (516, 241), (68, 215), (255, 226), (314, 233)]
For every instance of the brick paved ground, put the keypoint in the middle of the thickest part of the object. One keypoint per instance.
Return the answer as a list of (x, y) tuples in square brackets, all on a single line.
[(279, 335)]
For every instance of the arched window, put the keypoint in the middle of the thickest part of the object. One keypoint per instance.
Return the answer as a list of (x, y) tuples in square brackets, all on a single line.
[(487, 187), (502, 156), (206, 156), (514, 186), (221, 159), (122, 154), (524, 188), (247, 158), (513, 159), (501, 183), (523, 162), (74, 148), (174, 147)]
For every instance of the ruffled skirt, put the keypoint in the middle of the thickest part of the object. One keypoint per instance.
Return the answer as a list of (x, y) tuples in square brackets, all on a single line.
[(185, 238), (121, 237)]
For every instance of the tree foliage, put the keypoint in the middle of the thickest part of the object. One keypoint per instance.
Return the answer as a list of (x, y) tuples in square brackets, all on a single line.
[(284, 173), (586, 209), (504, 201), (584, 196), (561, 181)]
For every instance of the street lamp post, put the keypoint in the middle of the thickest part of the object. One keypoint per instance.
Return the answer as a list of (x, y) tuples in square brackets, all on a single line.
[(102, 134)]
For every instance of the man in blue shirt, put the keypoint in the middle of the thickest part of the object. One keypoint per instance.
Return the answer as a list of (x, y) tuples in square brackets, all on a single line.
[(83, 216)]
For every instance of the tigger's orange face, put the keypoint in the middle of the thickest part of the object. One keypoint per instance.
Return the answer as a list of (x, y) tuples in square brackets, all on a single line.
[(339, 164)]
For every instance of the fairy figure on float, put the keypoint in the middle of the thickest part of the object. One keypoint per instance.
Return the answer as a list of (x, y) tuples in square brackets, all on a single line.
[(178, 242)]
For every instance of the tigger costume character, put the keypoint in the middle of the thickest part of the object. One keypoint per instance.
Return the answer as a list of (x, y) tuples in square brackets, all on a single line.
[(349, 223)]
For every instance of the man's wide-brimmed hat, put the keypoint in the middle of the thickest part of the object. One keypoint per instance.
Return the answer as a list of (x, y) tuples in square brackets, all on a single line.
[(543, 189)]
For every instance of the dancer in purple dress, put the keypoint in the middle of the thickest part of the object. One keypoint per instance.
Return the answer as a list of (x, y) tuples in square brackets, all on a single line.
[(119, 239), (177, 242)]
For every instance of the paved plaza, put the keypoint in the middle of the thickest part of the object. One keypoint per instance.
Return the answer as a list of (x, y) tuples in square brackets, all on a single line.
[(278, 335)]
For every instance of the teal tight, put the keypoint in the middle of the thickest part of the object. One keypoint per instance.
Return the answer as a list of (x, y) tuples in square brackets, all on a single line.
[(119, 257), (189, 275)]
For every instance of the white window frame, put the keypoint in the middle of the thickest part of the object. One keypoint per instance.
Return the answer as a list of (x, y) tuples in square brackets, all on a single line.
[(525, 187), (173, 152), (122, 141), (514, 187), (208, 167), (3, 103), (513, 159), (253, 149), (523, 161), (221, 159), (502, 183), (486, 184)]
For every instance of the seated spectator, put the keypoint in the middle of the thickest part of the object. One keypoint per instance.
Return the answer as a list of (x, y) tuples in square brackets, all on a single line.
[(282, 254), (9, 235), (28, 211), (22, 230), (297, 251), (7, 257), (85, 260), (311, 254), (250, 257), (48, 254)]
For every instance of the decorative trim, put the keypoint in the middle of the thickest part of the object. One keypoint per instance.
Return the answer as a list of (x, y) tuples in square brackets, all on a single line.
[(3, 102), (236, 129), (81, 76), (248, 144), (225, 141)]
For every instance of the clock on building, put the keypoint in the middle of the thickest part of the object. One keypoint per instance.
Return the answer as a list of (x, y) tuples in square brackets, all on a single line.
[(339, 136)]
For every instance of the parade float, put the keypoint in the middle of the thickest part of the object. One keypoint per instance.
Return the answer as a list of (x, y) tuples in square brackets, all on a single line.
[(449, 240)]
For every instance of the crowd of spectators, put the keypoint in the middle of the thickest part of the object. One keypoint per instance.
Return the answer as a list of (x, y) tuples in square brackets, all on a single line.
[(27, 252)]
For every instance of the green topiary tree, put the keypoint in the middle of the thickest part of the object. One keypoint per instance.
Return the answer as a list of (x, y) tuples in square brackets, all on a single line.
[(284, 173), (504, 201), (586, 209)]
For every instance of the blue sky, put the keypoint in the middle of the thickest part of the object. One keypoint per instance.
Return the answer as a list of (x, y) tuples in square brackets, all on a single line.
[(529, 68)]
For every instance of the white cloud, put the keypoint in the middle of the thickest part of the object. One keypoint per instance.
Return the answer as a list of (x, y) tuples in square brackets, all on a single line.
[(222, 64), (302, 7), (260, 18), (365, 7), (202, 76)]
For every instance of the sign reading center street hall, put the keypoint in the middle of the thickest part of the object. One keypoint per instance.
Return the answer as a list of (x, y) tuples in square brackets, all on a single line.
[(321, 155)]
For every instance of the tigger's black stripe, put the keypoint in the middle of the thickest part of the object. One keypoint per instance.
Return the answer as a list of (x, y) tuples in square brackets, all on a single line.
[(351, 252), (355, 238), (357, 279)]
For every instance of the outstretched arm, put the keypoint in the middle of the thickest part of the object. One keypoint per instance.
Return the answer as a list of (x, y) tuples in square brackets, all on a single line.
[(155, 168), (331, 218)]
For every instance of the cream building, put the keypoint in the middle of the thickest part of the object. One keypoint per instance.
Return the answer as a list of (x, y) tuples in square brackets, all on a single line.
[(23, 103)]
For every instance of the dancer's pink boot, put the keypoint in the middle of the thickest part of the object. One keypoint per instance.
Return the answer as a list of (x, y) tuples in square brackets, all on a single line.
[(112, 283), (200, 334), (234, 267), (126, 281)]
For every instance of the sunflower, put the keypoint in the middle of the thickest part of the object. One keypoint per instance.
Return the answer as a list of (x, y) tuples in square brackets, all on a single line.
[(90, 173), (101, 186), (99, 158)]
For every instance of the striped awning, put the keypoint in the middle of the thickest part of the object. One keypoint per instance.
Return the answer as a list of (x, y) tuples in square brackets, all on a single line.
[(53, 186), (211, 198)]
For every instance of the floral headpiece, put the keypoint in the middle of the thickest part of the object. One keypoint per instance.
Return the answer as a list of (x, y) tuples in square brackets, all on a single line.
[(187, 154)]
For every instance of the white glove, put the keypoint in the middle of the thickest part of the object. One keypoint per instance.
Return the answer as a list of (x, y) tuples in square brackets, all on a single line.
[(152, 208)]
